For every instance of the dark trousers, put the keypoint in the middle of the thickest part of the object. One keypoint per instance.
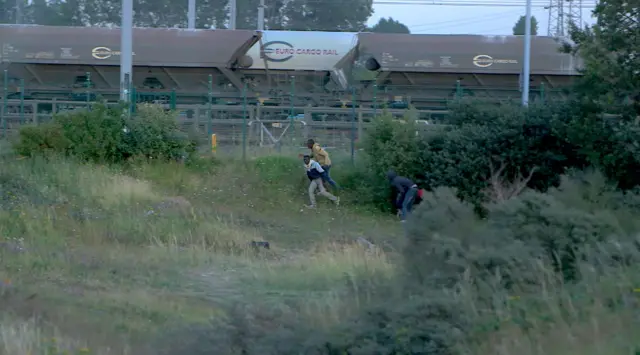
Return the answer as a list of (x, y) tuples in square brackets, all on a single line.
[(407, 202), (326, 177)]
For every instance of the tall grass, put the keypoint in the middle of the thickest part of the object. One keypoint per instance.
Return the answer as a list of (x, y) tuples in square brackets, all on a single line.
[(113, 255)]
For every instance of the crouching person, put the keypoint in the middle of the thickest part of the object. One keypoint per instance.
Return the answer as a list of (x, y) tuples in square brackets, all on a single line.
[(314, 173), (406, 192)]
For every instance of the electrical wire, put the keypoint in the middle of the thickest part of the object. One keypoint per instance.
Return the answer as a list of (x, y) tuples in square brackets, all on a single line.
[(542, 4), (471, 18), (463, 21)]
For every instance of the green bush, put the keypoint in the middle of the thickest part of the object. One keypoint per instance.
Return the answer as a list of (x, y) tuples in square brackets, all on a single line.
[(479, 137), (154, 133), (43, 139), (105, 135), (390, 144), (444, 236)]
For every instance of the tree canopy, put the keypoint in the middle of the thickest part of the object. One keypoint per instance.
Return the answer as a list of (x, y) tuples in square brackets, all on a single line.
[(610, 50), (389, 25), (518, 28), (279, 14)]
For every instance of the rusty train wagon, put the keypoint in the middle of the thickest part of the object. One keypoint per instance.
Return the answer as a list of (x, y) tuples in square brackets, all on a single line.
[(320, 69), (58, 62)]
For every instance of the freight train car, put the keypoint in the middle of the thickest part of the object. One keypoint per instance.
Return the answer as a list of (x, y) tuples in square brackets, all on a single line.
[(426, 68), (312, 68), (60, 62), (399, 69), (310, 65)]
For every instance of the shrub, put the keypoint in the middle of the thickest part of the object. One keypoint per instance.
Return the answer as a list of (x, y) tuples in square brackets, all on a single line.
[(391, 144), (479, 136), (43, 139), (562, 232), (445, 238), (154, 133), (105, 135)]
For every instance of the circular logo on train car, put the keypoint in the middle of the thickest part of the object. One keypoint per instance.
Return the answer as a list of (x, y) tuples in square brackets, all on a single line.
[(484, 61), (101, 53), (278, 51)]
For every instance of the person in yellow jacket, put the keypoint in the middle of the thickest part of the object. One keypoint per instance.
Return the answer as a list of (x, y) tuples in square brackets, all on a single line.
[(322, 157)]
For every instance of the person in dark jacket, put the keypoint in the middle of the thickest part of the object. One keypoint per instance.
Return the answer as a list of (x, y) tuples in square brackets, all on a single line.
[(406, 191), (315, 173)]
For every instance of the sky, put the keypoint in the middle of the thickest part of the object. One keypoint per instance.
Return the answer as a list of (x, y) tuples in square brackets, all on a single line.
[(447, 19)]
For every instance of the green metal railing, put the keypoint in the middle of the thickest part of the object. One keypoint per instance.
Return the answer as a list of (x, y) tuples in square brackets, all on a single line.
[(354, 108)]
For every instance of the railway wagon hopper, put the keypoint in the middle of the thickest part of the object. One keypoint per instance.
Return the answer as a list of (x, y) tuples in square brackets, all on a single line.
[(303, 65), (61, 62), (426, 70)]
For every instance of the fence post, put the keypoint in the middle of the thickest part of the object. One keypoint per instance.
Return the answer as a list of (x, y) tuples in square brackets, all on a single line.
[(134, 99), (244, 121), (375, 100), (542, 93), (5, 102), (209, 103), (88, 87), (172, 101), (291, 111), (21, 101), (353, 124)]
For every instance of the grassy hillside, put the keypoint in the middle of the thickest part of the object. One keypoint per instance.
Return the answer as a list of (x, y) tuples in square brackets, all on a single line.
[(109, 259)]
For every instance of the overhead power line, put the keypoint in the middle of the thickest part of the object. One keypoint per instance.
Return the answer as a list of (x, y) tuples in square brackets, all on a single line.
[(463, 21), (537, 3)]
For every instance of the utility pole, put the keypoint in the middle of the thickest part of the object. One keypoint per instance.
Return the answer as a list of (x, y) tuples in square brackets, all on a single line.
[(233, 7), (126, 50), (261, 16), (527, 56), (19, 5), (192, 15)]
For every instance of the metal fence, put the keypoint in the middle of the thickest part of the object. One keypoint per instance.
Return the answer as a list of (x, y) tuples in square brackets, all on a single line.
[(246, 129), (250, 124)]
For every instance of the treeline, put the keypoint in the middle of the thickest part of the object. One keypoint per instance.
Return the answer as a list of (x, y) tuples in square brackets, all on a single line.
[(314, 15)]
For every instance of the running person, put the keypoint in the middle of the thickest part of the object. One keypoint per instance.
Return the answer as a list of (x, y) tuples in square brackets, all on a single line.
[(314, 173), (322, 157)]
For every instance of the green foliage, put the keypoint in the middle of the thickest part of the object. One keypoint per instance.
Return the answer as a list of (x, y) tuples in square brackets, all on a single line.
[(95, 135), (154, 133), (610, 49), (390, 25), (40, 140), (291, 15), (391, 144), (541, 222), (519, 27), (105, 135), (479, 139)]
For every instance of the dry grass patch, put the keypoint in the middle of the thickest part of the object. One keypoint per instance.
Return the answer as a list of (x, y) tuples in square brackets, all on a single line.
[(26, 337), (324, 267)]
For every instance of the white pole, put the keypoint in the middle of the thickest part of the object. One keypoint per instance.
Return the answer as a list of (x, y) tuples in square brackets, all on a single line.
[(19, 11), (192, 14), (232, 14), (261, 16), (527, 56), (126, 49)]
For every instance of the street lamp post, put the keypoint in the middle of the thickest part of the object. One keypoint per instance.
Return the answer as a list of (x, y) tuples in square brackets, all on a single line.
[(527, 56), (126, 50)]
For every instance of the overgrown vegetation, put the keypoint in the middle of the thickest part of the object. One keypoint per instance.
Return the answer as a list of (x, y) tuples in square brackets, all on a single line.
[(107, 135), (527, 242)]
